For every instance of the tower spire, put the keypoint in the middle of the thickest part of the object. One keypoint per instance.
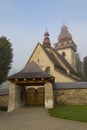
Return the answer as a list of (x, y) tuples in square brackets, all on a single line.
[(66, 46), (46, 41), (64, 34)]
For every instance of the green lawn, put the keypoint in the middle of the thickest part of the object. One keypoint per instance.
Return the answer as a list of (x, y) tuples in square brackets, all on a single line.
[(76, 113)]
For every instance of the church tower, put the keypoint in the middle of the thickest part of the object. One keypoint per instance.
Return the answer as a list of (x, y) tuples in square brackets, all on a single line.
[(66, 46), (46, 41)]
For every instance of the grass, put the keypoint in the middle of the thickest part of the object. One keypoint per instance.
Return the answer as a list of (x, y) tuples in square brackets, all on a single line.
[(76, 113)]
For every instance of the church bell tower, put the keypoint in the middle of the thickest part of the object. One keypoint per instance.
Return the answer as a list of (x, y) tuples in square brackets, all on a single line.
[(66, 46), (46, 41)]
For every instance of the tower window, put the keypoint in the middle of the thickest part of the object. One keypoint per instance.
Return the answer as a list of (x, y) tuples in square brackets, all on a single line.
[(38, 60), (63, 54)]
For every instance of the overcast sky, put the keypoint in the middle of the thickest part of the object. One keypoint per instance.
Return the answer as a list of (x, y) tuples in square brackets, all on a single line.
[(24, 22)]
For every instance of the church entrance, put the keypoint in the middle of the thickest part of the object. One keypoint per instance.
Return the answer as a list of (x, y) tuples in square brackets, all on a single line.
[(35, 96)]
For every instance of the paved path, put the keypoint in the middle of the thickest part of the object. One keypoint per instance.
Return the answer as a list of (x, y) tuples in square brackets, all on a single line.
[(36, 119)]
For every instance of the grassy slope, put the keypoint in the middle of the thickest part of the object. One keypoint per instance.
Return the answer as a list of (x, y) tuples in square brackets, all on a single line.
[(77, 113)]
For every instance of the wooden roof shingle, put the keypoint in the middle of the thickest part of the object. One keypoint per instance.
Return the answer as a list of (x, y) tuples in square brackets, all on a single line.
[(51, 54), (31, 70)]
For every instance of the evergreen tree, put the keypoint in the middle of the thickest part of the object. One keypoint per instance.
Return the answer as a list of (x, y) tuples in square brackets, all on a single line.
[(6, 56), (79, 66), (85, 67)]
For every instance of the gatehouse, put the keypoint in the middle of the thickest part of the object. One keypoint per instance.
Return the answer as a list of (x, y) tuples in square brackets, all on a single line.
[(31, 86)]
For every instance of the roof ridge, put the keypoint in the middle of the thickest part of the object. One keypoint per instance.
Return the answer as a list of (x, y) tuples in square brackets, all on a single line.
[(65, 61), (62, 59), (54, 59)]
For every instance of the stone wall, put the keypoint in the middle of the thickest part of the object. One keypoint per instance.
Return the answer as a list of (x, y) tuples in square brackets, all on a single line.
[(71, 96), (4, 100), (61, 96)]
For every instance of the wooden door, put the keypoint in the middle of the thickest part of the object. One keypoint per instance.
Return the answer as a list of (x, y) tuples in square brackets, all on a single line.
[(40, 96), (35, 96)]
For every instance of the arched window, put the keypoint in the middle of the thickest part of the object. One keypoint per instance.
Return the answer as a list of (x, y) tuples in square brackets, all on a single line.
[(63, 54)]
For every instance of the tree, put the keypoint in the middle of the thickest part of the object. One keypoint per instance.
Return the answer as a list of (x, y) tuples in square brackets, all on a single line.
[(6, 57), (85, 67), (79, 66)]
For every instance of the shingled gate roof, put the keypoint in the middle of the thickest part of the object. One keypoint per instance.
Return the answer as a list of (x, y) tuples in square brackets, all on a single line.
[(31, 70)]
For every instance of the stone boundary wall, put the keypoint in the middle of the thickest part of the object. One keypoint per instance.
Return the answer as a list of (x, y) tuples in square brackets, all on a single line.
[(61, 96), (4, 100), (70, 96)]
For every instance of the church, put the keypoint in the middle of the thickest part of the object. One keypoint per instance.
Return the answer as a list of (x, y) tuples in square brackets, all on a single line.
[(49, 77), (59, 61)]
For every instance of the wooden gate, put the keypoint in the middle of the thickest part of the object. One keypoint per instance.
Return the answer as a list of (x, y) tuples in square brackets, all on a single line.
[(35, 96)]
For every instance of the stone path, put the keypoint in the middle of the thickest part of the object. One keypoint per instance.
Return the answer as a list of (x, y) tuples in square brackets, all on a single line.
[(36, 119)]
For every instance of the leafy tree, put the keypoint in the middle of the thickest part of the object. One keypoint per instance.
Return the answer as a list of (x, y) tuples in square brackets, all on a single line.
[(6, 56), (85, 67)]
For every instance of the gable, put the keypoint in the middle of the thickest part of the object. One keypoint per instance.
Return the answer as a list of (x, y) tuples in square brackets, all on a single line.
[(40, 57)]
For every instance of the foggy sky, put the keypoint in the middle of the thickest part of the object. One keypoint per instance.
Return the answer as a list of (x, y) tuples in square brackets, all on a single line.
[(24, 23)]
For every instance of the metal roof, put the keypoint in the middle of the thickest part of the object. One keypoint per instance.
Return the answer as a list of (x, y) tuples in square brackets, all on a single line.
[(70, 85), (4, 91)]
